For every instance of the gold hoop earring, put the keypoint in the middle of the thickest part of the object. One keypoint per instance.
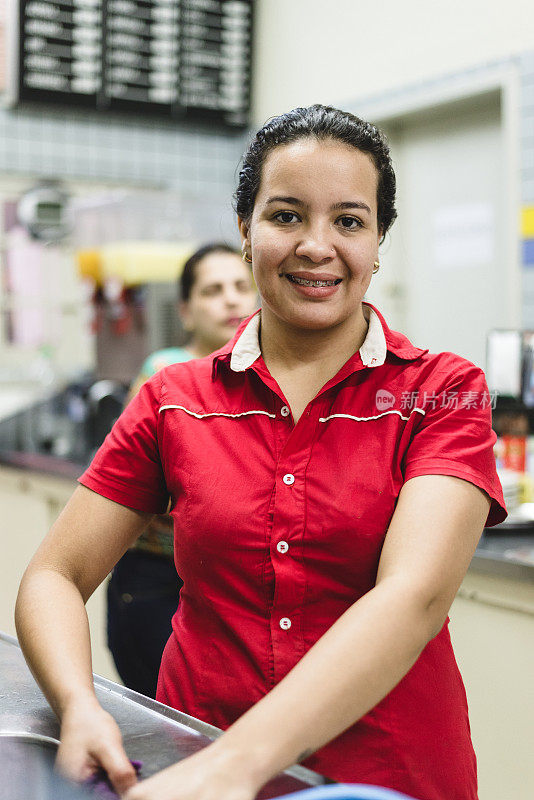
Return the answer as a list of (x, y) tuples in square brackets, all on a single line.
[(376, 267), (244, 254)]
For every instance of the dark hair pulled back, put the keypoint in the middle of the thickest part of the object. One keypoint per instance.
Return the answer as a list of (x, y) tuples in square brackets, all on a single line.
[(321, 122), (188, 276)]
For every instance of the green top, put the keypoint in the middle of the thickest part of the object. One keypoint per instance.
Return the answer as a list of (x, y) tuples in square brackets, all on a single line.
[(163, 358), (157, 538)]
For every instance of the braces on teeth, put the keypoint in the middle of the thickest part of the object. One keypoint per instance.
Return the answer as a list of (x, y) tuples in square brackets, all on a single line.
[(305, 282)]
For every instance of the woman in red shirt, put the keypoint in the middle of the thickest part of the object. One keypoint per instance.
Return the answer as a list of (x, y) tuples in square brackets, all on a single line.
[(329, 482)]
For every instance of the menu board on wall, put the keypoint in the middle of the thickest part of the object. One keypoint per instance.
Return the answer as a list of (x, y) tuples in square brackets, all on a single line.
[(183, 59)]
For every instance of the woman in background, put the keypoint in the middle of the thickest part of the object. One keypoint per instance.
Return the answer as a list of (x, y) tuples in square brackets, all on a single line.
[(216, 292)]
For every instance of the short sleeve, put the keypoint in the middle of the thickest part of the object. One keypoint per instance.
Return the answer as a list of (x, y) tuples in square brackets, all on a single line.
[(127, 468), (454, 435)]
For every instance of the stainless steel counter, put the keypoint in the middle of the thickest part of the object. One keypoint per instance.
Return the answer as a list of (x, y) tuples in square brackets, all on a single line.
[(153, 733), (506, 555)]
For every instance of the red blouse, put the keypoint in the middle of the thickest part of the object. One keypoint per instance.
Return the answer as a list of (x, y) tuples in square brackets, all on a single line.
[(279, 529)]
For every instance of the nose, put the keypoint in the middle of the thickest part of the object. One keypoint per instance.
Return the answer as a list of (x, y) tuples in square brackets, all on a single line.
[(316, 244), (231, 296)]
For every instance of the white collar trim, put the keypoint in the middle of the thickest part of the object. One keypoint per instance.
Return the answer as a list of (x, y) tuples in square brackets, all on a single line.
[(374, 349), (247, 348), (372, 352)]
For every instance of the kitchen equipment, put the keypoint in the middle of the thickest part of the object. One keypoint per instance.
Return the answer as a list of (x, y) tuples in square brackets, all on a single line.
[(105, 401), (45, 213)]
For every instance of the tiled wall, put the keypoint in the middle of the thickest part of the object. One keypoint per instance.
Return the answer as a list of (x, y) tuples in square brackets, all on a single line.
[(79, 145), (527, 173), (120, 149), (527, 128)]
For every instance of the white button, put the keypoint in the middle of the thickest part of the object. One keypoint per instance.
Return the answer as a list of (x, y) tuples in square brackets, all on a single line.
[(285, 623), (285, 411), (282, 547), (289, 479)]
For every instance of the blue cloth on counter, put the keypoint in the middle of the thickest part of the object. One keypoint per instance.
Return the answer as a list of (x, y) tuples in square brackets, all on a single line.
[(348, 791)]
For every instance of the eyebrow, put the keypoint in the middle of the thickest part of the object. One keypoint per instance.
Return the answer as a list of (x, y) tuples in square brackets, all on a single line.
[(294, 201)]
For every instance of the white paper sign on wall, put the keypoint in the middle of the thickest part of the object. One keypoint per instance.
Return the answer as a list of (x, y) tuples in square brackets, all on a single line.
[(463, 235)]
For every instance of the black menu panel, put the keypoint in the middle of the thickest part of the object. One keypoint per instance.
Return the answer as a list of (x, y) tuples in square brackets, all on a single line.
[(141, 55), (183, 59), (60, 50)]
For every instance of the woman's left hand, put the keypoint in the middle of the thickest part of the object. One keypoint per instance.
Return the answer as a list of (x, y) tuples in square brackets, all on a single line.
[(210, 774)]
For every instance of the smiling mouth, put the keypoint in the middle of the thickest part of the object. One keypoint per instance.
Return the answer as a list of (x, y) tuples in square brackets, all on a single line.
[(306, 282)]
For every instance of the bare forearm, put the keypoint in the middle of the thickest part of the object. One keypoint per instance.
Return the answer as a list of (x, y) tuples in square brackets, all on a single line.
[(347, 672), (53, 631), (73, 559)]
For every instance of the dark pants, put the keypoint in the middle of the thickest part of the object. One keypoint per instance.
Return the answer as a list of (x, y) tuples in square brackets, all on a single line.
[(142, 598)]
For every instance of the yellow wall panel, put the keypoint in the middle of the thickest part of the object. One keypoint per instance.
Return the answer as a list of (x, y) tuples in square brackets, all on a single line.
[(527, 222)]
